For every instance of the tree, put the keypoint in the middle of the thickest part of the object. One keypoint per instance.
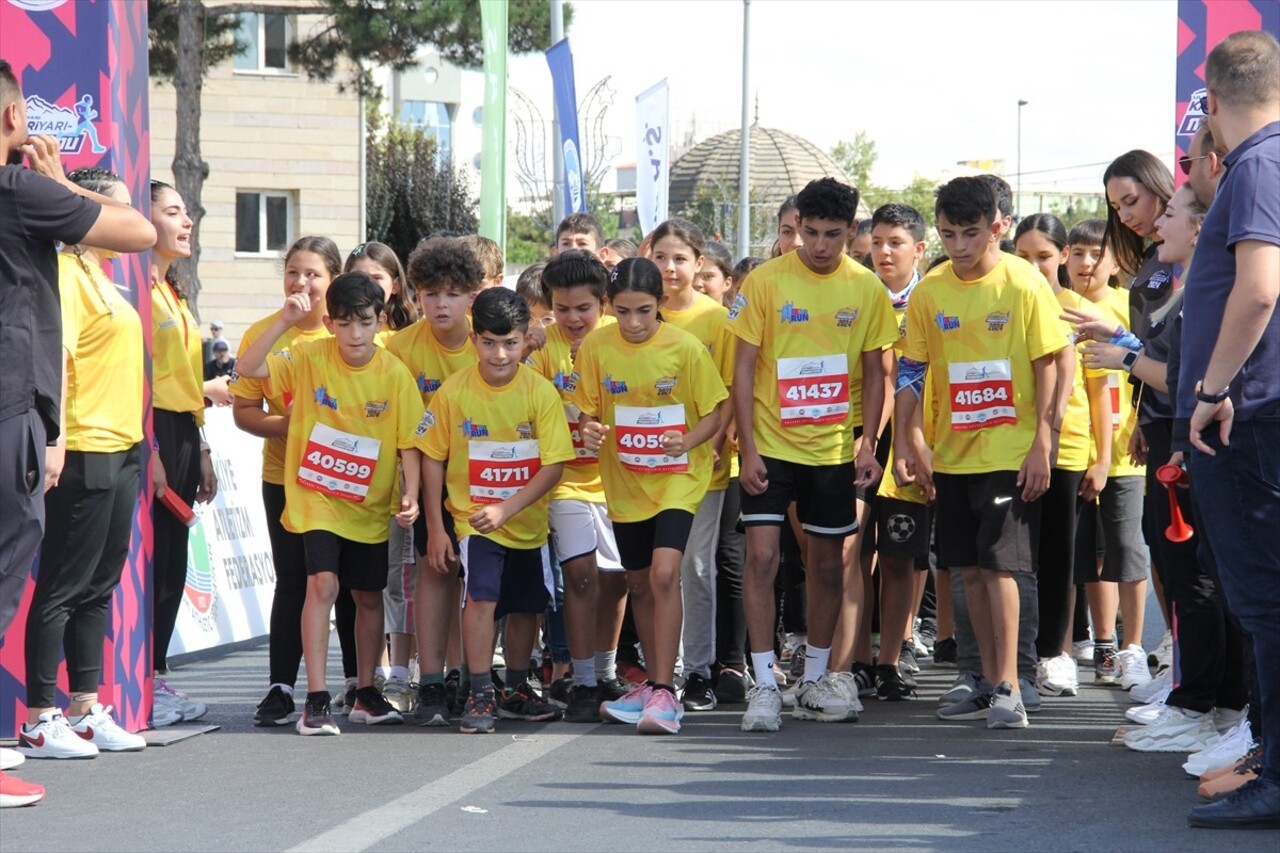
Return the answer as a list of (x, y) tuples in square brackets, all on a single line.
[(189, 37), (857, 159)]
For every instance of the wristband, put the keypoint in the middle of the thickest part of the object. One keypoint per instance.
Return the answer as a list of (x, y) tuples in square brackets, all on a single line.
[(1126, 339)]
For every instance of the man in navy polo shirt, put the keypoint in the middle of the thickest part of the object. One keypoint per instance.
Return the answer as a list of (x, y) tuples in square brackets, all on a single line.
[(1231, 392)]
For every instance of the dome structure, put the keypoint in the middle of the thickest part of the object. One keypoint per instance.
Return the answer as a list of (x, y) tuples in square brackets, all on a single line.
[(781, 164)]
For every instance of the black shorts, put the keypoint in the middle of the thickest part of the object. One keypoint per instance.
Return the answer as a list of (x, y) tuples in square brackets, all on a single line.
[(824, 497), (984, 523), (420, 532), (515, 578), (870, 494), (358, 565), (638, 539), (903, 530)]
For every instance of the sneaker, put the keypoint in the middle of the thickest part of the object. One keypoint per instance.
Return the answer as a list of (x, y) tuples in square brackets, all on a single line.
[(1255, 805), (891, 687), (1235, 744), (731, 687), (764, 709), (52, 737), (632, 673), (628, 707), (1252, 760), (1132, 665), (343, 702), (433, 707), (781, 677), (823, 700), (944, 652), (1162, 658), (1226, 719), (275, 709), (864, 677), (907, 658), (99, 729), (10, 758), (698, 694), (191, 710), (398, 692), (523, 703), (584, 704), (662, 713), (1222, 786), (1006, 710), (1058, 676), (1180, 731), (845, 682), (1082, 650), (1146, 693), (1106, 669), (317, 716), (612, 688), (372, 708), (795, 666), (165, 711), (973, 707), (925, 636), (1145, 715), (562, 691), (15, 793), (455, 696), (480, 714), (961, 689), (1030, 696)]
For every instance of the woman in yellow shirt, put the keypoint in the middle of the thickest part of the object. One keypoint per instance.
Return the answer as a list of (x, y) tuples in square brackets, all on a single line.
[(95, 468), (177, 395)]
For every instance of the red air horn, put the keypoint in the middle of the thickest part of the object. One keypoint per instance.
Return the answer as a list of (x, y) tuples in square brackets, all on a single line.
[(1173, 476)]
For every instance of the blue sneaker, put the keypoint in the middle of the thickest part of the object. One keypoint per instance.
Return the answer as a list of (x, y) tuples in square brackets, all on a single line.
[(629, 707)]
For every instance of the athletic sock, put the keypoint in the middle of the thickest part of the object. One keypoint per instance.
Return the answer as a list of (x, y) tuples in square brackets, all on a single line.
[(815, 662), (584, 672), (431, 678), (481, 681), (606, 665), (762, 665), (383, 671), (515, 677), (400, 672)]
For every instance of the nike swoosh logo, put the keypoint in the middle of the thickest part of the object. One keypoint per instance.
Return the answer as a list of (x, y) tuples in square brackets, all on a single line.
[(999, 501), (87, 734), (38, 740)]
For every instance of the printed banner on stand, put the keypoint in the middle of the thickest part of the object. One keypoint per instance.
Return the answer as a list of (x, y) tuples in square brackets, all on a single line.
[(653, 155), (560, 59)]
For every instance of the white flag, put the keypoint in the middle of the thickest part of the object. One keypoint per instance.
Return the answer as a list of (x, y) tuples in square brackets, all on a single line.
[(653, 155)]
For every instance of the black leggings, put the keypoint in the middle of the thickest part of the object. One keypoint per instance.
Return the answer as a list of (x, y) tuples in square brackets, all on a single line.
[(1055, 564), (179, 440), (285, 652), (731, 619)]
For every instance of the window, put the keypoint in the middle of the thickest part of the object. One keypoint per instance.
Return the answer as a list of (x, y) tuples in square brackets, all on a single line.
[(433, 118), (266, 41), (264, 222)]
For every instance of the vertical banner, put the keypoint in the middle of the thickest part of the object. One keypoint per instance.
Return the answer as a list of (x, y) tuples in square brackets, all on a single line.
[(653, 155), (1201, 25), (83, 70), (560, 59), (493, 157)]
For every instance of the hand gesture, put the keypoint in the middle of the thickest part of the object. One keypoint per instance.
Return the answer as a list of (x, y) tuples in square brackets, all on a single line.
[(296, 307), (440, 555), (753, 476), (408, 513), (593, 433), (673, 443), (44, 158), (489, 518)]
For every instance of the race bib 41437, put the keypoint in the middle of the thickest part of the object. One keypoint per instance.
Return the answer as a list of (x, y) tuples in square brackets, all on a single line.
[(813, 390)]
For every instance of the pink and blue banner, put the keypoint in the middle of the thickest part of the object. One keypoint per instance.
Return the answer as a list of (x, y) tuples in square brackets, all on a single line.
[(83, 69)]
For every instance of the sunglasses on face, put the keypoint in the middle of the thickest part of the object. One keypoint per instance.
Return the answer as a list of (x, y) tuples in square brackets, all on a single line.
[(1184, 163)]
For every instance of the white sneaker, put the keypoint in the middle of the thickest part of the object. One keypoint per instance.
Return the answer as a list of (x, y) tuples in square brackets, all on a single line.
[(10, 758), (101, 730), (1145, 693), (1057, 676), (1180, 731), (848, 686), (764, 709), (53, 738), (1132, 663), (1162, 658), (191, 710), (1082, 651), (823, 700), (1234, 745), (1225, 719), (1152, 712)]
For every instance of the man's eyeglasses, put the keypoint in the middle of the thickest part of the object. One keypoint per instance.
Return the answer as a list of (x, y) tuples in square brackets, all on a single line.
[(1184, 163)]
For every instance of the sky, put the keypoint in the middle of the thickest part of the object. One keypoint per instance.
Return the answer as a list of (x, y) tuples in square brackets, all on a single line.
[(932, 82)]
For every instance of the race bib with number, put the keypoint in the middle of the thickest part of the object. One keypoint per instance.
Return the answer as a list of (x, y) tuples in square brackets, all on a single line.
[(981, 394), (581, 456), (639, 435), (339, 464), (499, 469), (813, 390)]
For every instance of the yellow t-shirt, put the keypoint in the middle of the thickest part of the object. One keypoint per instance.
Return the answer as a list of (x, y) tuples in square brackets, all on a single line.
[(979, 339), (103, 335), (1114, 308), (812, 331), (384, 336), (346, 428), (177, 367), (495, 440), (1075, 442), (554, 362), (708, 321), (429, 363), (889, 487), (640, 391), (278, 402)]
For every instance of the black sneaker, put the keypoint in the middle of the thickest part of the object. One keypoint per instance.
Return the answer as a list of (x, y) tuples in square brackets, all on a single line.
[(584, 704), (317, 719), (891, 686), (523, 704), (433, 709), (454, 693), (373, 709), (944, 652), (276, 709), (698, 694), (907, 657), (864, 677), (498, 683), (613, 688), (731, 687), (796, 668), (480, 714), (562, 691)]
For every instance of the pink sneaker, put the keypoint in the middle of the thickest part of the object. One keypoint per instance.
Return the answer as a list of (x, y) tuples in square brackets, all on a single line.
[(661, 715), (14, 792), (627, 708)]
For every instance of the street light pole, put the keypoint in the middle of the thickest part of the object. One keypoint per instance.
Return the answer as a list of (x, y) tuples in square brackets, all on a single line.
[(744, 163), (1018, 203)]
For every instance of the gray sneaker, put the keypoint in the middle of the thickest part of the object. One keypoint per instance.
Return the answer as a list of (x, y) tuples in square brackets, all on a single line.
[(973, 707), (960, 689), (480, 713), (1006, 711), (1030, 695)]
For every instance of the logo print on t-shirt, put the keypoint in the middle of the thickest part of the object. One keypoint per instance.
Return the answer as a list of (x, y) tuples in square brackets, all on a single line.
[(739, 302), (614, 386), (374, 408), (524, 431), (791, 314), (846, 317), (427, 386), (427, 422), (474, 430), (665, 386), (945, 323), (997, 320), (323, 398)]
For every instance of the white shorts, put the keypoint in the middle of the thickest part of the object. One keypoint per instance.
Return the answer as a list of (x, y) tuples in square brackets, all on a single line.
[(579, 528)]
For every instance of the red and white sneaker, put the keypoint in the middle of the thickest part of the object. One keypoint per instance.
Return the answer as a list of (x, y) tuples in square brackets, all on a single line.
[(52, 737), (102, 731), (14, 792)]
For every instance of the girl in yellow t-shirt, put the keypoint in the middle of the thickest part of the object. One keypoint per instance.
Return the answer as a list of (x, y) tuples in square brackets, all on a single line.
[(380, 262), (649, 395), (90, 500), (1120, 582)]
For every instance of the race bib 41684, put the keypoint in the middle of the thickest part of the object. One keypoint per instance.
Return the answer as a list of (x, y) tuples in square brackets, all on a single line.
[(981, 394)]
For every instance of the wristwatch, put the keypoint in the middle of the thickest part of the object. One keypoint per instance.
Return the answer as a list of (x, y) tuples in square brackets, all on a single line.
[(1128, 361), (1209, 398)]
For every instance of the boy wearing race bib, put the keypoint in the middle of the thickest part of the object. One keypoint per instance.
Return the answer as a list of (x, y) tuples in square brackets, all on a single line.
[(812, 327), (985, 326), (496, 441), (354, 410)]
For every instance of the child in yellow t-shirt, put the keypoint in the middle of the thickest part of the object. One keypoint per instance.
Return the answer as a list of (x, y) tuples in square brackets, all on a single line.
[(354, 409), (495, 441), (657, 391)]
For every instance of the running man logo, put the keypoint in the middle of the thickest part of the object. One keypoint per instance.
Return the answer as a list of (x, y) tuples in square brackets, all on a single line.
[(350, 445), (846, 317), (649, 419), (945, 323), (70, 126), (997, 320), (739, 302), (524, 431), (427, 422), (374, 409), (665, 386), (614, 386), (474, 430), (322, 398), (791, 314), (428, 386), (1197, 109), (503, 453), (975, 373)]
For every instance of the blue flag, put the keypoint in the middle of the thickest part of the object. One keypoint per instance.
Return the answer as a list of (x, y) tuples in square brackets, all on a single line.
[(574, 193)]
